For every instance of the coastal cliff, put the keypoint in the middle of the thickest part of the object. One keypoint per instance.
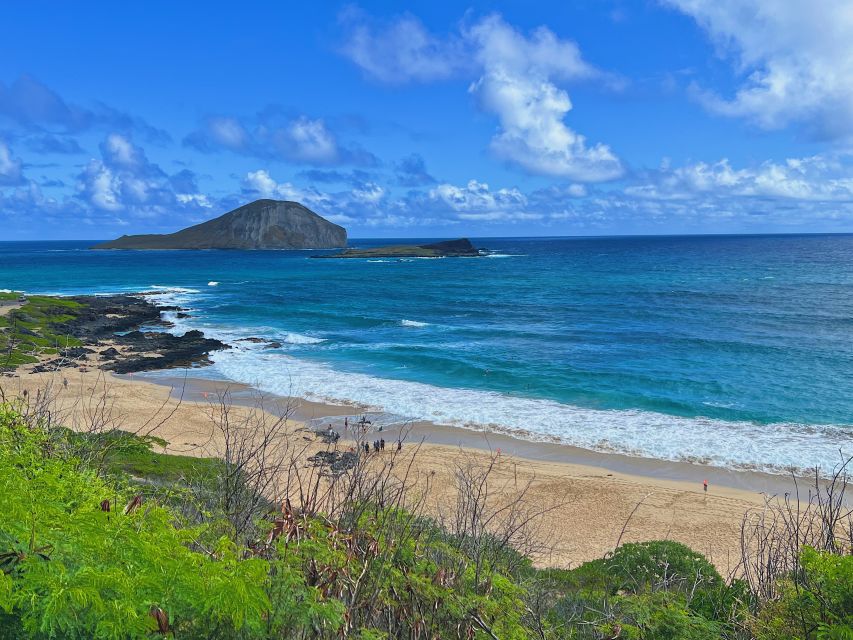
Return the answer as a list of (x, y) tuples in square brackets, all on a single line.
[(263, 224)]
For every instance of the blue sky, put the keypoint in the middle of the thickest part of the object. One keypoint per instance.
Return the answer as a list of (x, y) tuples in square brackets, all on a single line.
[(435, 120)]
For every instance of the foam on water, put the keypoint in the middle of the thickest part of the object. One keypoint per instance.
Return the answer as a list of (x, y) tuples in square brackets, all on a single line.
[(740, 445), (413, 323), (298, 338)]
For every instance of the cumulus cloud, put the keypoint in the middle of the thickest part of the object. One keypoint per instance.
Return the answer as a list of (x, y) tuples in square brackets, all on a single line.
[(259, 184), (826, 178), (275, 135), (796, 59), (518, 86), (476, 201), (10, 167), (125, 180), (517, 78)]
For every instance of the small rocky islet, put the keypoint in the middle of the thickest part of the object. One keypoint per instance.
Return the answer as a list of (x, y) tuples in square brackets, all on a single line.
[(461, 248)]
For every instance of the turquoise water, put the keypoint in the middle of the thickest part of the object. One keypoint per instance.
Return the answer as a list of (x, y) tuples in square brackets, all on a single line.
[(735, 351)]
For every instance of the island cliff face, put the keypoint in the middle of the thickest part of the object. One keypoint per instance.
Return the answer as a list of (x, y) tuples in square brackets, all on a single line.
[(263, 224)]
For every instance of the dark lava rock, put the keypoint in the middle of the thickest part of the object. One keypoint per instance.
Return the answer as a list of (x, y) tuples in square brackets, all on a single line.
[(102, 317), (119, 318), (273, 345), (75, 352), (336, 462), (52, 365), (190, 349), (252, 339)]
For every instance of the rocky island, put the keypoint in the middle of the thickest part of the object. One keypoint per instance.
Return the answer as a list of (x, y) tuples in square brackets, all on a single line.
[(263, 224), (461, 248)]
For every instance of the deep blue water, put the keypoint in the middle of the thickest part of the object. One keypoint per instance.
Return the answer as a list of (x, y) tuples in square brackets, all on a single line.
[(734, 350)]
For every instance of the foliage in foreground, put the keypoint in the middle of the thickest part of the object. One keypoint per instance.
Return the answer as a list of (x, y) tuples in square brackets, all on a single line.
[(80, 557)]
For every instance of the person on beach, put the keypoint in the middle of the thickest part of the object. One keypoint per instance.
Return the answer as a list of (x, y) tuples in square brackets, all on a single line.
[(705, 486), (382, 444), (346, 423), (399, 445), (366, 448)]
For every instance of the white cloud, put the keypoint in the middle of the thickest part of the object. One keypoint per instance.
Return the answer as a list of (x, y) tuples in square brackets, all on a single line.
[(120, 151), (10, 168), (517, 85), (401, 51), (476, 201), (273, 134), (309, 141), (100, 186), (796, 58), (198, 199), (123, 179), (260, 184), (517, 82), (369, 193), (816, 178)]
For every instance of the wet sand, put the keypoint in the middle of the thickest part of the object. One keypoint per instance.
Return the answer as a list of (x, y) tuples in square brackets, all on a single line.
[(588, 496)]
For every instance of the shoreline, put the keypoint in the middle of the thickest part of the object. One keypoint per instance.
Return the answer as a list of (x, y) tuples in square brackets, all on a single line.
[(587, 508), (591, 500), (684, 476)]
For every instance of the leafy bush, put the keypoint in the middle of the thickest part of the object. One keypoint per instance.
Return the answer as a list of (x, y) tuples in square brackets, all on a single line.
[(72, 569), (815, 605), (84, 555)]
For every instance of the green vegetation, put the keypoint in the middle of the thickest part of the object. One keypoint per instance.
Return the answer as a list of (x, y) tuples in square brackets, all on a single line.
[(101, 537), (32, 329)]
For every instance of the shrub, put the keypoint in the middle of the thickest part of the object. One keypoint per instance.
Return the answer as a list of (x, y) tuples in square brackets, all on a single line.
[(74, 570), (818, 604)]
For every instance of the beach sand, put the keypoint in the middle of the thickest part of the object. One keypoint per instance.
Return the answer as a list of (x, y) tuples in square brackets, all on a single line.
[(591, 499)]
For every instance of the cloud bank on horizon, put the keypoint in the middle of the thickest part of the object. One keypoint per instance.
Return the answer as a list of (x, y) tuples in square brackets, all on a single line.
[(684, 116)]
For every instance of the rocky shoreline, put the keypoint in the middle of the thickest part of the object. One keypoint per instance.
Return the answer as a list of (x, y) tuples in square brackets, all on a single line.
[(126, 334)]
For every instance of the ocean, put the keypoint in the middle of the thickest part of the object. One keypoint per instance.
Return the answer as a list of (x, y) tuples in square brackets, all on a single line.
[(735, 351)]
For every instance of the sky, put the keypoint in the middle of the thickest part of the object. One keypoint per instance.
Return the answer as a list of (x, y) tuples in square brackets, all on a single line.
[(433, 119)]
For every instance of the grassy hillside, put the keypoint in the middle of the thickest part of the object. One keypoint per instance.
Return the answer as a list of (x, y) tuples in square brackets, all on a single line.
[(29, 331), (101, 537)]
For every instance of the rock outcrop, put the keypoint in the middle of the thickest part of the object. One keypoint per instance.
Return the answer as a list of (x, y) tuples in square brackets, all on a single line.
[(461, 248), (263, 224)]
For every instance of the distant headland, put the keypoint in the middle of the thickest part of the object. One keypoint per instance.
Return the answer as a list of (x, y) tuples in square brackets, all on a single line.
[(262, 224), (461, 248)]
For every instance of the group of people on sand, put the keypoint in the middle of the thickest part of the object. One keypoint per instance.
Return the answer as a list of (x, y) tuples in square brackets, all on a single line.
[(379, 445)]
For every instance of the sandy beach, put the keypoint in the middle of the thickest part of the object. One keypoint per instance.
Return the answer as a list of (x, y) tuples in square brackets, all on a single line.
[(588, 497)]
